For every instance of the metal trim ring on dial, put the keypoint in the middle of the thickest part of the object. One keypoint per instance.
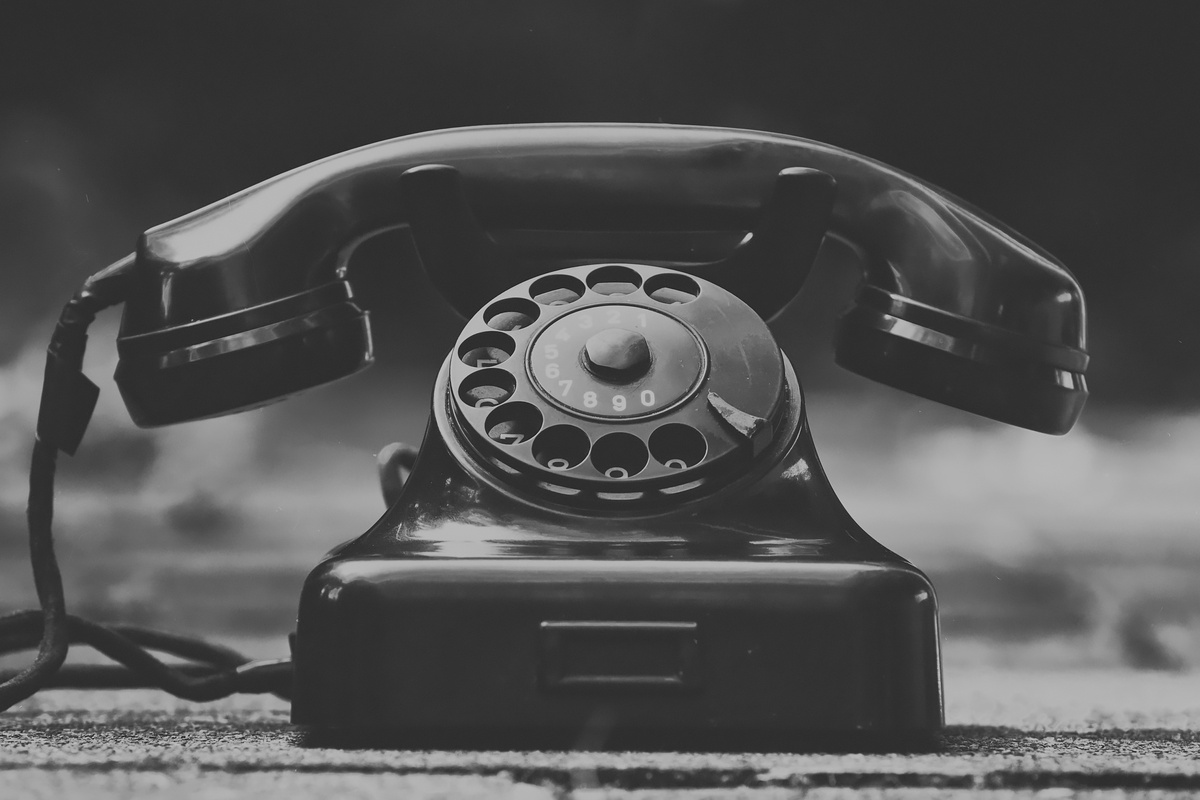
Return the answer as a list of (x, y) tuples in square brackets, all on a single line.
[(716, 373)]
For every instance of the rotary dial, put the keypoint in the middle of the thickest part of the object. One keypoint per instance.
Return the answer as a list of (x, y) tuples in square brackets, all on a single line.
[(617, 384)]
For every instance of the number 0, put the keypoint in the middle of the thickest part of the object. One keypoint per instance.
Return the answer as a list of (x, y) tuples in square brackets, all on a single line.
[(647, 397)]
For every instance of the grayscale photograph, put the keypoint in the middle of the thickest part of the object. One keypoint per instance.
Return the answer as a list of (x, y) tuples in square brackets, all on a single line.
[(662, 400)]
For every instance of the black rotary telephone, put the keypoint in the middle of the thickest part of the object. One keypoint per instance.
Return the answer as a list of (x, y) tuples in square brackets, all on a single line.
[(617, 522)]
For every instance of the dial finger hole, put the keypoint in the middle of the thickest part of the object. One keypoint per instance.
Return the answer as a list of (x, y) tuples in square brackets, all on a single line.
[(614, 280), (561, 447), (672, 289), (489, 387), (486, 349), (511, 314), (513, 423), (556, 290), (678, 446), (619, 455)]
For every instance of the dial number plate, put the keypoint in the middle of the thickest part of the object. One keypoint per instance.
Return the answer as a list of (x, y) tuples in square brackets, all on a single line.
[(559, 366)]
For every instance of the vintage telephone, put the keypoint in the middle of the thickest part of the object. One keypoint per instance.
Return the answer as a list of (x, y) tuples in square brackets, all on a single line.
[(617, 521)]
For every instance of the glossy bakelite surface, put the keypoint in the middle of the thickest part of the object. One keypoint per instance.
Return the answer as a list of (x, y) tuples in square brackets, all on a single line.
[(244, 359), (691, 390), (457, 504), (954, 306), (920, 242), (754, 614), (529, 653)]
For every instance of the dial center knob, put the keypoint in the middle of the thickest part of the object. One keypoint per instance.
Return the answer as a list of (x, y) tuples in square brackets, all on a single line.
[(617, 353), (596, 361)]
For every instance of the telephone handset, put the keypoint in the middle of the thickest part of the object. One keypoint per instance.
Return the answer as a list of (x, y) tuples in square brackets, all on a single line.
[(953, 307), (617, 511)]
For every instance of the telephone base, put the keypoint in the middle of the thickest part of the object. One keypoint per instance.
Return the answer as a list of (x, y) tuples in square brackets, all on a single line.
[(595, 654)]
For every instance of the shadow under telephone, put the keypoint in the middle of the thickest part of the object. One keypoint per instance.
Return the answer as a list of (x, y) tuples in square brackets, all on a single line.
[(617, 508)]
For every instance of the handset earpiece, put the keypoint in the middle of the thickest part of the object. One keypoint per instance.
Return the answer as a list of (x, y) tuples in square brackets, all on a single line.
[(205, 336), (959, 309)]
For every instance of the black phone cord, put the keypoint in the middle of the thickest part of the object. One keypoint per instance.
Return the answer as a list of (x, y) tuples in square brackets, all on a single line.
[(68, 399)]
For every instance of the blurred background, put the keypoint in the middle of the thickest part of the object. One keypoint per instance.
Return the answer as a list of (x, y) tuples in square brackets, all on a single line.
[(1074, 122)]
